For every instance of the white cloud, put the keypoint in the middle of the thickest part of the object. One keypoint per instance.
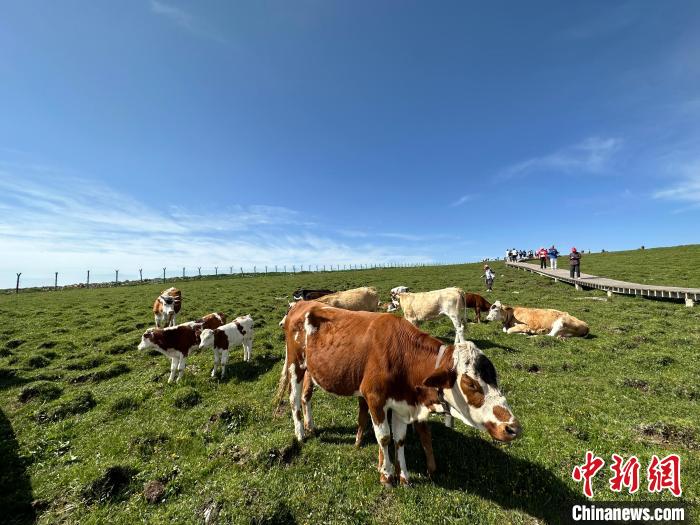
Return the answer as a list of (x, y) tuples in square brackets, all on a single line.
[(184, 20), (686, 190), (51, 223), (592, 155), (462, 200)]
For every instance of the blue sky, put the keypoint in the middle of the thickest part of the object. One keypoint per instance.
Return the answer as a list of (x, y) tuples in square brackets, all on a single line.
[(148, 133)]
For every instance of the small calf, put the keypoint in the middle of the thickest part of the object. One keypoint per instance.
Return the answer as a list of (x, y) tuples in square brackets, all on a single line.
[(175, 342), (166, 307), (222, 339)]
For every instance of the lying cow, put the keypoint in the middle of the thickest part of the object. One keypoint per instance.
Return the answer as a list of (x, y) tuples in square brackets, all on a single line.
[(392, 366), (166, 307), (309, 295), (175, 342), (422, 306), (472, 300), (358, 299), (531, 321), (222, 339)]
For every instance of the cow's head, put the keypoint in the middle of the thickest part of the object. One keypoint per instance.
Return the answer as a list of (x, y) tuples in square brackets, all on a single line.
[(497, 312), (206, 339), (470, 388), (147, 339), (168, 303)]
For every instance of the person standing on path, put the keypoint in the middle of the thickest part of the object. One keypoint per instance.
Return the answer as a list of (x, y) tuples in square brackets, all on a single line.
[(553, 254), (489, 275), (542, 254), (575, 263)]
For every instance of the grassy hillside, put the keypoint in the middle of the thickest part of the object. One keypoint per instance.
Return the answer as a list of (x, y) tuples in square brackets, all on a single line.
[(675, 266), (86, 419)]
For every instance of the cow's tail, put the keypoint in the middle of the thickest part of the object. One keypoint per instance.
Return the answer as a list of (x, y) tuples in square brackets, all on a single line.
[(463, 305), (282, 387)]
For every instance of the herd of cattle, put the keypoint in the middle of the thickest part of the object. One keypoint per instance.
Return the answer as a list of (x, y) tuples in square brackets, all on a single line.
[(341, 343)]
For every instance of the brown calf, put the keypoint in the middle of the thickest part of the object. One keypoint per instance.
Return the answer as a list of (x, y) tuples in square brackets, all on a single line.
[(175, 342), (166, 307), (472, 300)]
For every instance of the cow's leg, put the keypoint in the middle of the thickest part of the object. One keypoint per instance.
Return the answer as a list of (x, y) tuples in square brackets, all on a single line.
[(423, 431), (155, 319), (519, 329), (248, 350), (449, 421), (382, 432), (459, 328), (295, 382), (216, 362), (224, 360), (173, 368), (477, 313), (362, 420), (398, 429), (173, 320), (306, 404), (181, 367)]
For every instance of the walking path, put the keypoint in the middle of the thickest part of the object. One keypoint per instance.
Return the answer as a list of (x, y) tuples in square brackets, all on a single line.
[(613, 286)]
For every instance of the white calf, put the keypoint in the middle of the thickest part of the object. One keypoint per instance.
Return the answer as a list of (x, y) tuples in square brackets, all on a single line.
[(222, 339)]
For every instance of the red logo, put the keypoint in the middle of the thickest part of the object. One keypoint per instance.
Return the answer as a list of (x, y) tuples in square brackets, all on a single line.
[(625, 474), (587, 471), (665, 474)]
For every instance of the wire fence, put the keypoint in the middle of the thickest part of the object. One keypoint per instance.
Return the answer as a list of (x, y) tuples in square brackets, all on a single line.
[(123, 277)]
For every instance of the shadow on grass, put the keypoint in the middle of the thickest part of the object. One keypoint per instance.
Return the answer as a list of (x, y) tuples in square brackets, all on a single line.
[(472, 464), (483, 344), (342, 435), (15, 487), (9, 379), (251, 370)]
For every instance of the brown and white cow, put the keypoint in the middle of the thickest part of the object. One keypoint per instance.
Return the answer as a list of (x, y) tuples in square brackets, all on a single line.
[(472, 300), (422, 306), (532, 321), (211, 321), (304, 294), (393, 366), (222, 339), (166, 307), (175, 342)]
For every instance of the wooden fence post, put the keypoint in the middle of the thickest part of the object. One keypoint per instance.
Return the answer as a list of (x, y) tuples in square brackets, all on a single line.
[(266, 269), (55, 281), (199, 270), (141, 274), (241, 270), (183, 272), (275, 268), (17, 287), (88, 279), (163, 274), (116, 276), (216, 270), (285, 268)]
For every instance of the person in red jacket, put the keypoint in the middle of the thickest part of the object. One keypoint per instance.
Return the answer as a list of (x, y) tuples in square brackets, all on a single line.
[(542, 254)]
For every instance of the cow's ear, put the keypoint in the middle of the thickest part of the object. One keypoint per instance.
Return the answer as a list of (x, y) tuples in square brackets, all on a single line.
[(441, 378)]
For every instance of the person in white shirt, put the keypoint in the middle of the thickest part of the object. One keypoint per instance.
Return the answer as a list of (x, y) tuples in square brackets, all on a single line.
[(489, 275)]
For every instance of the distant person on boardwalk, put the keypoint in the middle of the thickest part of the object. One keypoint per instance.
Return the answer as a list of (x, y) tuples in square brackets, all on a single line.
[(553, 254), (489, 275), (575, 263), (542, 254)]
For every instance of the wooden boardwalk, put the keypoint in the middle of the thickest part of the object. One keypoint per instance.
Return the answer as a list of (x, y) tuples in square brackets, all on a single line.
[(691, 295)]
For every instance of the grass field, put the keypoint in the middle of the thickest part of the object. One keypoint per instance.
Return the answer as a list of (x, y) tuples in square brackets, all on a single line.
[(86, 419)]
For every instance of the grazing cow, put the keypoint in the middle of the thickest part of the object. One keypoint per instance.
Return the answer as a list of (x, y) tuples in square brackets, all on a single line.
[(391, 365), (422, 306), (472, 300), (222, 339), (309, 295), (175, 342), (166, 307), (358, 299), (531, 321)]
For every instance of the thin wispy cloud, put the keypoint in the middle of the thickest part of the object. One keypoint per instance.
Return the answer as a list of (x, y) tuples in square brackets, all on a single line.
[(185, 20), (463, 200), (69, 225), (685, 191), (593, 156)]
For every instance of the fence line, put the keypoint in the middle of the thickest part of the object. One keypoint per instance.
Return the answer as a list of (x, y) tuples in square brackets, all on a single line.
[(254, 272)]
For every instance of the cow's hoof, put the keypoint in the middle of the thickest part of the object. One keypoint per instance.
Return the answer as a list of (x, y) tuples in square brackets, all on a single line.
[(404, 481), (310, 431), (432, 473), (386, 481)]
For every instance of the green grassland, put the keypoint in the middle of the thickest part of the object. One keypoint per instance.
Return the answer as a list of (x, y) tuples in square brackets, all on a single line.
[(677, 266), (86, 419)]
